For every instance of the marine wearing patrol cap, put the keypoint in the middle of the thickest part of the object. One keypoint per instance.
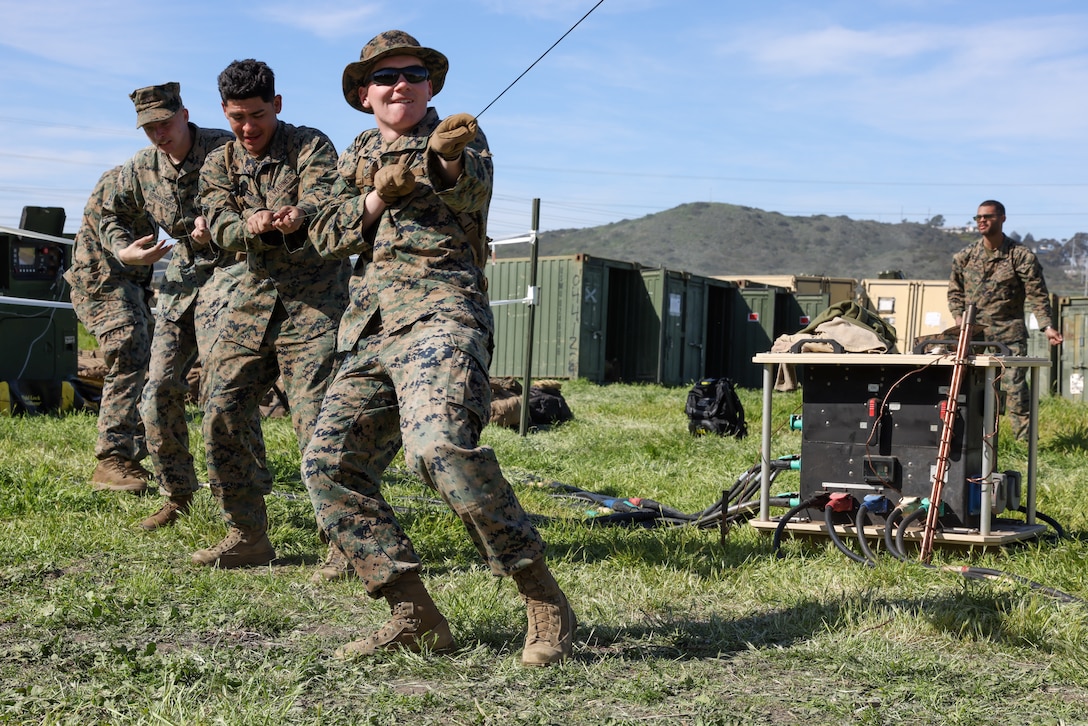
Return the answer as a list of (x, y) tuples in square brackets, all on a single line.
[(156, 103)]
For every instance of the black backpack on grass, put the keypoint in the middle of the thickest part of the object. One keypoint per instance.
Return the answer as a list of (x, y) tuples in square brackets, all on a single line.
[(714, 408), (547, 405)]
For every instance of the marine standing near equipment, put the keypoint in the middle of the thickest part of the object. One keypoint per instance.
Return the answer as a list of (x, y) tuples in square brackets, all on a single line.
[(1000, 275), (412, 201), (111, 300), (259, 192), (161, 181)]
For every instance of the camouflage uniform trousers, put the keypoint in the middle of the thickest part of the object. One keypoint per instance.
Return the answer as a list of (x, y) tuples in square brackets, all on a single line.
[(1017, 393), (126, 348), (174, 351), (236, 378), (425, 387)]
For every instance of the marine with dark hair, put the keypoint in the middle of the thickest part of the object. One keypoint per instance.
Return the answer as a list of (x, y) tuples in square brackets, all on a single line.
[(411, 200), (247, 79), (259, 193), (1000, 276)]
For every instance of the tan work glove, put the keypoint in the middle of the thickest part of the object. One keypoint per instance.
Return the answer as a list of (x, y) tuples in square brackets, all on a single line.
[(452, 135), (394, 182)]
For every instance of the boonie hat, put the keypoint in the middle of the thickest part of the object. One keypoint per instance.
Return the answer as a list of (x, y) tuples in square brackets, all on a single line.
[(383, 45), (156, 103)]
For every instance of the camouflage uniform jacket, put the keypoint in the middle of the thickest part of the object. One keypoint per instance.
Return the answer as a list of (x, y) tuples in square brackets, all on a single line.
[(999, 282), (425, 255), (298, 169), (150, 183), (94, 268)]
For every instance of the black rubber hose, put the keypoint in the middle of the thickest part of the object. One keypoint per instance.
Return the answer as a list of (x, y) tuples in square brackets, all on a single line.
[(889, 534), (971, 573), (976, 573), (754, 485), (1049, 520), (744, 483), (838, 541), (777, 541), (860, 521), (751, 479), (665, 511), (643, 517), (902, 528)]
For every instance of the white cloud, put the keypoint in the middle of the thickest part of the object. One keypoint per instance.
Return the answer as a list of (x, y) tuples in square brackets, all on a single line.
[(82, 34), (996, 45), (567, 10), (1003, 78), (836, 49), (330, 19)]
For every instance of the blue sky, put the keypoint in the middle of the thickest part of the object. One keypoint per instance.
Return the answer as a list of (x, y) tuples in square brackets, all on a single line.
[(878, 109)]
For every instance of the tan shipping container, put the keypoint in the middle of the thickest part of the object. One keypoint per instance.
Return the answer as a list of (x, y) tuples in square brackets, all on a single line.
[(836, 288), (914, 308)]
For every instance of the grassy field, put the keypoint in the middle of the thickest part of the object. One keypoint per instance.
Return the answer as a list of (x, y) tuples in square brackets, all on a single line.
[(103, 623)]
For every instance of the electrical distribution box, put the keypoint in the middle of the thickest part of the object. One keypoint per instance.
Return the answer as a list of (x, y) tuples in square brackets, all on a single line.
[(40, 341), (876, 429)]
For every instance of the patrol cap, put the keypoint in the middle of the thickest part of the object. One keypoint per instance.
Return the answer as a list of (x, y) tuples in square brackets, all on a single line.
[(156, 103), (383, 45)]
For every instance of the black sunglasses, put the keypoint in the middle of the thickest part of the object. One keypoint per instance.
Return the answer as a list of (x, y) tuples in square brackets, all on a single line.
[(391, 76)]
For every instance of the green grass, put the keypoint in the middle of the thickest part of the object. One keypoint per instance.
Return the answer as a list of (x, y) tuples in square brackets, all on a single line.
[(103, 623)]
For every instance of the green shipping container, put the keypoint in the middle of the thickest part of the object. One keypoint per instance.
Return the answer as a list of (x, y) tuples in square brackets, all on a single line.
[(580, 299), (798, 310), (1072, 366), (682, 328), (605, 320), (1040, 347), (720, 301), (755, 326), (660, 329)]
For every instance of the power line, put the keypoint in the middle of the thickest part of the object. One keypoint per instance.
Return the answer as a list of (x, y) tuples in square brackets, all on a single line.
[(53, 125), (54, 159), (815, 182), (549, 50)]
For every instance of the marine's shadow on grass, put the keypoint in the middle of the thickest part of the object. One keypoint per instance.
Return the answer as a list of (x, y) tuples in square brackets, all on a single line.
[(445, 546), (698, 636), (684, 549), (1069, 441)]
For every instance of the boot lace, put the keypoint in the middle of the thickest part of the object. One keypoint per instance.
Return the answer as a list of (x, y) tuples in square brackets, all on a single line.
[(545, 622), (233, 539)]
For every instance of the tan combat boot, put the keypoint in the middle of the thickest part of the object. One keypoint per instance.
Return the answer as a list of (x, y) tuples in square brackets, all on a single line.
[(116, 474), (168, 513), (335, 567), (416, 624), (550, 635), (246, 543), (239, 548)]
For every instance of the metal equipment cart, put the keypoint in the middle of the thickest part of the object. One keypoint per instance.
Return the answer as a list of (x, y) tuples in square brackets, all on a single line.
[(871, 426)]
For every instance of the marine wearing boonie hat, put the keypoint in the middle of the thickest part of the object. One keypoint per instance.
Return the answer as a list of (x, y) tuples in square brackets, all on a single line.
[(383, 45), (156, 103)]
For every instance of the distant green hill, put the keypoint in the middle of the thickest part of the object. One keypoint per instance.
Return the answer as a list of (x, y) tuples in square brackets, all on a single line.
[(726, 239)]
